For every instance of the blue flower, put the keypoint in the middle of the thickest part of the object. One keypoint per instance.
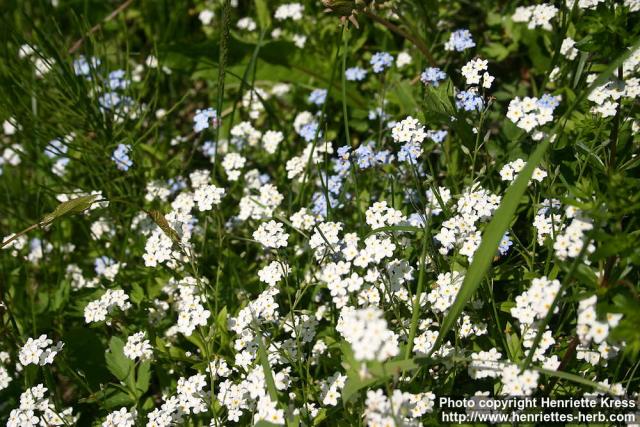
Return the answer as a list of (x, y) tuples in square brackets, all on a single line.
[(205, 119), (318, 96), (319, 200), (308, 131), (82, 67), (101, 264), (548, 101), (364, 156), (459, 41), (432, 75), (117, 80), (334, 184), (469, 101), (381, 61), (505, 244), (55, 148), (355, 74), (410, 151), (121, 157), (437, 136)]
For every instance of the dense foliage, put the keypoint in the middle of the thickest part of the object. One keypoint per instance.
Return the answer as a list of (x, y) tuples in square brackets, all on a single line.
[(236, 212)]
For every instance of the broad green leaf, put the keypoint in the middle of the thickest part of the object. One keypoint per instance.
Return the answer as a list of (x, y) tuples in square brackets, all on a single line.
[(264, 17), (404, 94), (143, 378), (117, 363)]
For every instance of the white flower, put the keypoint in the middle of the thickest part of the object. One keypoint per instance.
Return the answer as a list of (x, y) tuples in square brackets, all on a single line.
[(39, 351), (207, 196), (137, 347), (271, 234)]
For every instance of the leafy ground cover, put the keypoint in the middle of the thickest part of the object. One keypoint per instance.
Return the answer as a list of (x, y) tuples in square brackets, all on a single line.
[(240, 212)]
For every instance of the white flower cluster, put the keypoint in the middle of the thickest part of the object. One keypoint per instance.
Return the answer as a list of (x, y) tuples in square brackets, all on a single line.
[(297, 165), (589, 328), (570, 242), (190, 398), (475, 205), (273, 272), (261, 207), (121, 418), (189, 304), (568, 50), (271, 235), (534, 303), (331, 387), (264, 308), (233, 164), (137, 347), (97, 310), (548, 220), (485, 364), (533, 306), (366, 330), (584, 4), (267, 410), (304, 219), (38, 410), (39, 351), (246, 23), (409, 130), (325, 238), (530, 112), (381, 215), (251, 394), (475, 72), (515, 383), (607, 98), (402, 407), (538, 15), (207, 196), (244, 131), (444, 291), (5, 378), (291, 11), (271, 139), (510, 171)]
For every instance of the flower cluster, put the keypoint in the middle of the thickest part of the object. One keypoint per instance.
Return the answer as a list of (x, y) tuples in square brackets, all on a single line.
[(97, 310), (366, 330), (39, 351)]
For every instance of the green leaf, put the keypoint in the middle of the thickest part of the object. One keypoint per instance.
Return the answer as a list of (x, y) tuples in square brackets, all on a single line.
[(117, 363), (114, 398), (143, 378), (69, 207), (438, 100), (404, 94), (268, 374), (264, 17), (264, 423)]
